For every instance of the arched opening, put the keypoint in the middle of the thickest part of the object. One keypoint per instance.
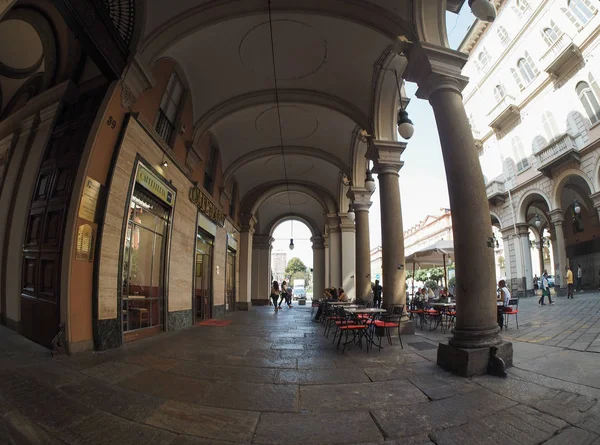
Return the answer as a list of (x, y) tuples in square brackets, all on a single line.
[(499, 254), (292, 256), (581, 226)]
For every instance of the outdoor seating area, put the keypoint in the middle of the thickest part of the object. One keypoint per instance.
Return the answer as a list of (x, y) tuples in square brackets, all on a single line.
[(359, 325)]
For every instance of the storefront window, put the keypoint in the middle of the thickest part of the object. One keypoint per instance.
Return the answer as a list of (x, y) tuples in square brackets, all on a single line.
[(203, 295), (143, 262)]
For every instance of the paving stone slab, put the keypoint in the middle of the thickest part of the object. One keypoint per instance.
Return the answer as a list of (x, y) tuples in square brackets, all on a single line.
[(228, 373), (516, 426), (574, 436), (359, 396), (321, 376), (591, 421), (114, 399), (152, 362), (16, 429), (565, 405), (112, 372), (168, 386), (317, 429), (425, 417), (105, 429), (382, 374), (560, 365), (256, 362), (253, 396), (190, 440), (441, 386), (205, 421), (317, 363), (47, 405)]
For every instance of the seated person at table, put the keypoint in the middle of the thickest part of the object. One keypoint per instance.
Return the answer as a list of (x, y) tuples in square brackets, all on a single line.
[(342, 295), (503, 295), (330, 295)]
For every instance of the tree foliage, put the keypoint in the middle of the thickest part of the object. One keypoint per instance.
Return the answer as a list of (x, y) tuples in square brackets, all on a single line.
[(297, 269)]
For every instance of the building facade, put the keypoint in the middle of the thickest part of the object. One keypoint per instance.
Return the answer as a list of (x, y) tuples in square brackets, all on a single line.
[(534, 107), (279, 261), (429, 231)]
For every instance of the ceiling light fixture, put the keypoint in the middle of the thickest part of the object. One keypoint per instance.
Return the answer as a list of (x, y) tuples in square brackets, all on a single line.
[(351, 215), (369, 182), (576, 207), (538, 223), (405, 125)]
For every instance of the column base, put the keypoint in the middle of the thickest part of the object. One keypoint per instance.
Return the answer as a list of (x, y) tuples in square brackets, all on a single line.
[(242, 306), (260, 302), (473, 338), (560, 291), (407, 327), (472, 361)]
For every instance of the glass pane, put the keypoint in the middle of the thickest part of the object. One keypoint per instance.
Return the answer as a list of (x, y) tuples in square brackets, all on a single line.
[(141, 262), (138, 312), (156, 290), (126, 253)]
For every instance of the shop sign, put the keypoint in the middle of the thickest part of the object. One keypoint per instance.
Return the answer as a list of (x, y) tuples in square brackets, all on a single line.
[(206, 206), (150, 181)]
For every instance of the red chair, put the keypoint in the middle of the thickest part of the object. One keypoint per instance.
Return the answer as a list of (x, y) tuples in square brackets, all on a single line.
[(511, 309), (387, 323), (355, 325)]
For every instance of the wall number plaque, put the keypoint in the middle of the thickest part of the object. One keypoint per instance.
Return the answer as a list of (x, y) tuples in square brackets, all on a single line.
[(89, 199)]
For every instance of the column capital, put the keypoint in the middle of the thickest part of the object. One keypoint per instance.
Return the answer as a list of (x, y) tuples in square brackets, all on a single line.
[(386, 155), (136, 79), (347, 225), (507, 232), (434, 68), (556, 216), (317, 242), (523, 229), (595, 197), (361, 199), (333, 222), (260, 241), (247, 222)]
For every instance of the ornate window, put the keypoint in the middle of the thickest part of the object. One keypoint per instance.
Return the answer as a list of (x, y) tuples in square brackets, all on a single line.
[(549, 124), (483, 60), (169, 108), (503, 34), (210, 169), (580, 12), (499, 92), (527, 71), (519, 153), (589, 100), (520, 7), (551, 34)]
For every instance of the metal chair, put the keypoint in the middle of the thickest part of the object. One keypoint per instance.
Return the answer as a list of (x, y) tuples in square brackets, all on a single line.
[(511, 309)]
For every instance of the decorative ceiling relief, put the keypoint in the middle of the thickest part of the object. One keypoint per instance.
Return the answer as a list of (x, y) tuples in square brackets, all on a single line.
[(296, 123)]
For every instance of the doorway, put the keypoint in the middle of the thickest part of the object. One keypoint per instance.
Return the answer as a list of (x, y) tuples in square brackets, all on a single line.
[(203, 286), (230, 290), (143, 296)]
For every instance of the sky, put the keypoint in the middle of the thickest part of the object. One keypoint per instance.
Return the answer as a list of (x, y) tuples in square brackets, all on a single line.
[(423, 188)]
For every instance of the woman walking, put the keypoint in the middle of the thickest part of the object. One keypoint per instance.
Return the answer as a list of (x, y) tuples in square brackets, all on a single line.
[(284, 290), (275, 294)]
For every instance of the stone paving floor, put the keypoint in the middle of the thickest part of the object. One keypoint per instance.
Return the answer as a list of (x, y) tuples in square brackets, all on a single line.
[(274, 379)]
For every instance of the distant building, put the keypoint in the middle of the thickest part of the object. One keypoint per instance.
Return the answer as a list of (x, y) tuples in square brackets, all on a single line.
[(279, 262), (376, 263), (429, 231)]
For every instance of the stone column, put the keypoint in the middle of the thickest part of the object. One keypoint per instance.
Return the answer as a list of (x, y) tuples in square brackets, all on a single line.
[(261, 269), (554, 251), (387, 163), (348, 256), (557, 218), (318, 266), (335, 251), (362, 203), (246, 237), (541, 254), (437, 71), (527, 262), (327, 259)]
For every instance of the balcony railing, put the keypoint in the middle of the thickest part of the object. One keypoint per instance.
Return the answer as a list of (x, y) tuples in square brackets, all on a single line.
[(495, 191), (502, 112), (563, 148), (562, 51)]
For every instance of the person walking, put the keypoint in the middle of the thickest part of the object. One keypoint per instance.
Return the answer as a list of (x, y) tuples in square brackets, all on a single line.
[(284, 292), (377, 290), (275, 294), (545, 290), (579, 276), (569, 283)]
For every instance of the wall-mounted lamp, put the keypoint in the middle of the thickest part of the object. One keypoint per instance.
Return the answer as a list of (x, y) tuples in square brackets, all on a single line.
[(576, 207), (351, 215), (538, 223), (369, 182)]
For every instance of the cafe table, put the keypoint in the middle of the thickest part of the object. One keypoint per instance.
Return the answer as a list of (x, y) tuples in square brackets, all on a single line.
[(364, 310)]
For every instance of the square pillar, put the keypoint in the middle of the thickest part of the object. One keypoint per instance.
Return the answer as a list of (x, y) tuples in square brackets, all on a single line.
[(348, 257), (246, 237)]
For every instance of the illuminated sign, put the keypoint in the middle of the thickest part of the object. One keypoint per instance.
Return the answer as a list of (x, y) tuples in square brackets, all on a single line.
[(150, 181), (206, 206)]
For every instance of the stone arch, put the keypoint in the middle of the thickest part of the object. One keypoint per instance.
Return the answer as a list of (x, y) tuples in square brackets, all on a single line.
[(367, 14), (495, 216), (314, 228), (430, 21), (528, 199), (597, 174), (386, 100), (559, 183), (291, 150), (224, 109)]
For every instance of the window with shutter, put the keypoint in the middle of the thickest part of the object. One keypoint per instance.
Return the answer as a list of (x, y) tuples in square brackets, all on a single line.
[(580, 12), (499, 93), (517, 78), (549, 124), (211, 166), (551, 34), (503, 34), (519, 153), (169, 108), (589, 100)]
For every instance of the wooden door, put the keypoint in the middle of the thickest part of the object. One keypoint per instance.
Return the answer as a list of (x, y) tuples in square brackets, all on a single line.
[(44, 236)]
